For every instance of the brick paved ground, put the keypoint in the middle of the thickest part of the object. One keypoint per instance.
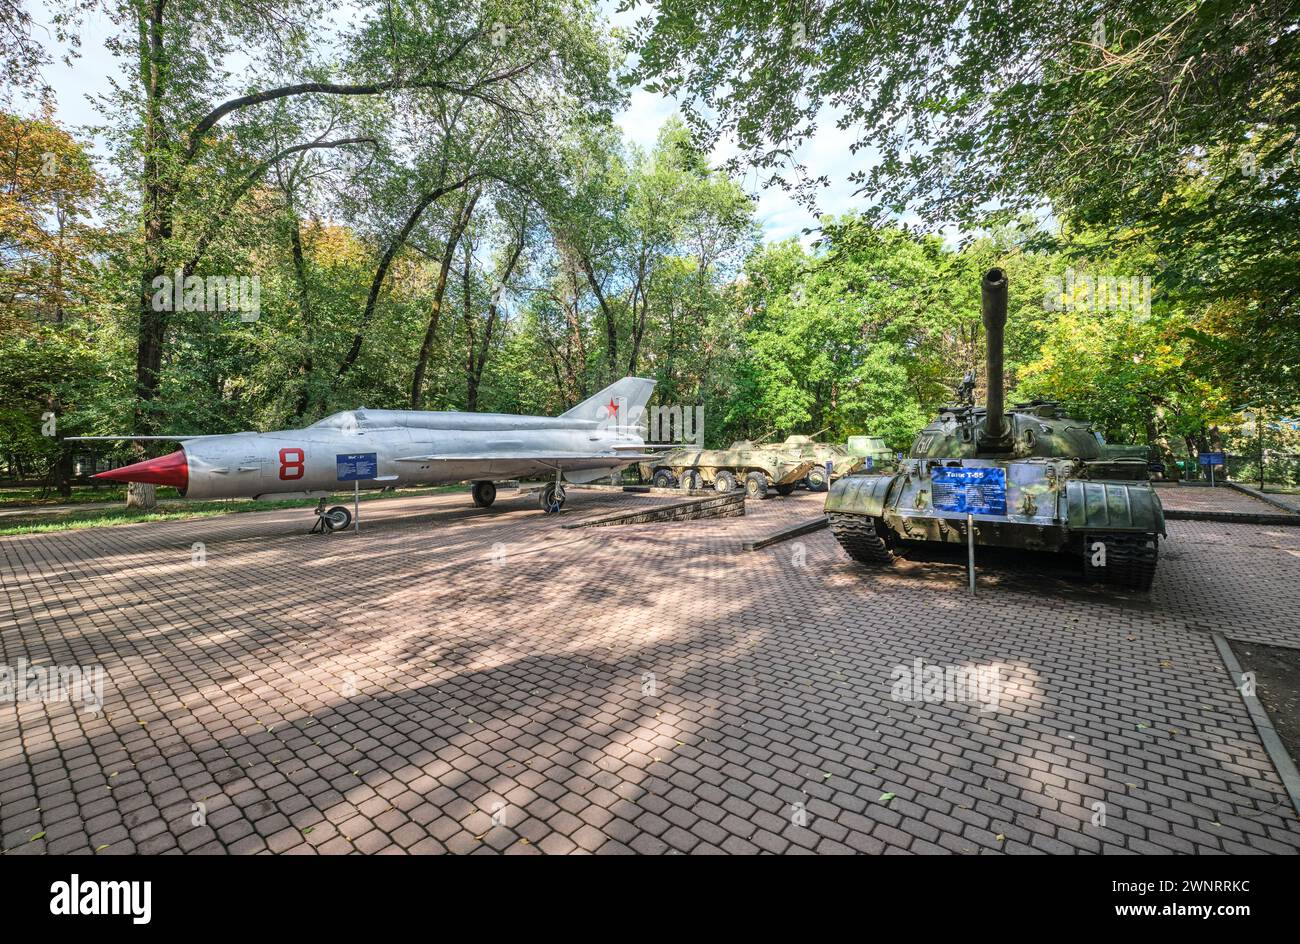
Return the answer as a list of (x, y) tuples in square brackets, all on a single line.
[(1219, 498), (1287, 498), (483, 681)]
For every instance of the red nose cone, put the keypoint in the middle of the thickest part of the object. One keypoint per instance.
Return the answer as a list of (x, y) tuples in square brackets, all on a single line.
[(170, 470)]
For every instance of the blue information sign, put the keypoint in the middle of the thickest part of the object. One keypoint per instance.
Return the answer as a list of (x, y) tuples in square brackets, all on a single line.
[(357, 466), (1210, 458), (973, 491)]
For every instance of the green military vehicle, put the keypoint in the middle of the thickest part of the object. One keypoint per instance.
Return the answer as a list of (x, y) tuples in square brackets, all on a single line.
[(875, 454), (1030, 478), (842, 462), (745, 464)]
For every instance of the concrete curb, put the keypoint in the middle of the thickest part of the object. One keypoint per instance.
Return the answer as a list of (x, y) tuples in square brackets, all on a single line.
[(645, 490), (1277, 752), (729, 505), (1235, 517), (1262, 496), (794, 531)]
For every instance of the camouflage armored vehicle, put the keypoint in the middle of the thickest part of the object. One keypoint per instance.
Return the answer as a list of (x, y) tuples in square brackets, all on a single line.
[(800, 448), (872, 449), (1032, 478), (744, 465)]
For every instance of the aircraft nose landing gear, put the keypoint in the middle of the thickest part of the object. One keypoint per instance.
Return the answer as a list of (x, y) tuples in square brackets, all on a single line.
[(552, 497), (330, 520), (483, 493)]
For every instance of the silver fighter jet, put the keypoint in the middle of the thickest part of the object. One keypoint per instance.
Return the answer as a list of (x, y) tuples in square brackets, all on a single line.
[(378, 448)]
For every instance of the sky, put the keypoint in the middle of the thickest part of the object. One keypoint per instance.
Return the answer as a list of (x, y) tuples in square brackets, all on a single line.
[(779, 214)]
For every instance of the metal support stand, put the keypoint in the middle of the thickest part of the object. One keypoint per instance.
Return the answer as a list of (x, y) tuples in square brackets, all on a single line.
[(356, 507), (970, 550)]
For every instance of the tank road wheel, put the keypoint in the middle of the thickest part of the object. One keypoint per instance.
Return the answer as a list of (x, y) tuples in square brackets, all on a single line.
[(690, 480), (663, 479), (551, 498), (337, 518), (483, 493), (784, 490), (756, 485), (815, 480), (866, 540), (1121, 560), (724, 482)]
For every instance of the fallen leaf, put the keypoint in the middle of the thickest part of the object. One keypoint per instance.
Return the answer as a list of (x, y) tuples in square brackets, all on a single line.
[(886, 797)]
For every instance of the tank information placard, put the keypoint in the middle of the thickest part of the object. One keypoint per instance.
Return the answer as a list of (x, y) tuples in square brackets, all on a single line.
[(357, 466), (973, 491)]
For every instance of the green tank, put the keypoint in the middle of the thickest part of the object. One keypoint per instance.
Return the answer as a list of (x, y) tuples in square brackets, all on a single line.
[(1032, 477), (755, 468)]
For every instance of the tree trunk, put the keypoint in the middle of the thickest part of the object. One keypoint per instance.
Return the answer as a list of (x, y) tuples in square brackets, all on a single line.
[(304, 311), (381, 273), (459, 224), (157, 219), (475, 364), (611, 325), (142, 495)]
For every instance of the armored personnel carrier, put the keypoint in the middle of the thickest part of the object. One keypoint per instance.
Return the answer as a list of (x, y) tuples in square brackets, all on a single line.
[(1031, 478), (842, 462), (875, 454), (744, 465)]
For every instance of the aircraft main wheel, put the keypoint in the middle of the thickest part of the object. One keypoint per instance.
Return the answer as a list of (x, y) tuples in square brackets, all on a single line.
[(784, 490), (724, 481), (756, 485), (483, 493), (338, 518), (552, 498), (663, 479), (815, 480)]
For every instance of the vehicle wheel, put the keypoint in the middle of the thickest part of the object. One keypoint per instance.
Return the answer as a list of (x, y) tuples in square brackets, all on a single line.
[(338, 518), (1122, 560), (815, 480), (756, 485), (551, 498), (690, 480), (724, 481), (784, 490), (866, 540), (483, 493), (663, 479)]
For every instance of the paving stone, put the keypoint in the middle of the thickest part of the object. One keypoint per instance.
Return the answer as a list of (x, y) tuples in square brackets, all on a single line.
[(646, 688)]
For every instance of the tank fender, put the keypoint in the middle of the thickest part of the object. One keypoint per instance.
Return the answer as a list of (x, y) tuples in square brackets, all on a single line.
[(859, 494), (1113, 506)]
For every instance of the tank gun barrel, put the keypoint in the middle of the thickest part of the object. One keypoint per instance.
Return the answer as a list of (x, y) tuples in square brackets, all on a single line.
[(993, 303)]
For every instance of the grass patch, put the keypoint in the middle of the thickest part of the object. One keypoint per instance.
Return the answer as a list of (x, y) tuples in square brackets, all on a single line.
[(108, 517), (81, 495)]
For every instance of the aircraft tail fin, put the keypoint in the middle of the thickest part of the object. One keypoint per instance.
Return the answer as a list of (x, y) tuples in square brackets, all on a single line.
[(621, 403)]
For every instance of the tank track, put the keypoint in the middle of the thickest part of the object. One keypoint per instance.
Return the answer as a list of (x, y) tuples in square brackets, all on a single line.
[(857, 535), (1130, 560)]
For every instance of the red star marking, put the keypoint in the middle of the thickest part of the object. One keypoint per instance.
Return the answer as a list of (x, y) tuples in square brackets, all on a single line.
[(611, 407)]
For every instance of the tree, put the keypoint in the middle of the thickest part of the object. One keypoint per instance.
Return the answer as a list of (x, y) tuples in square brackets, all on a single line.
[(1164, 123)]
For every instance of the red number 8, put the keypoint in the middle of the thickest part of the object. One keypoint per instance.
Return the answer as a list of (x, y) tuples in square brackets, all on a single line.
[(292, 468)]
